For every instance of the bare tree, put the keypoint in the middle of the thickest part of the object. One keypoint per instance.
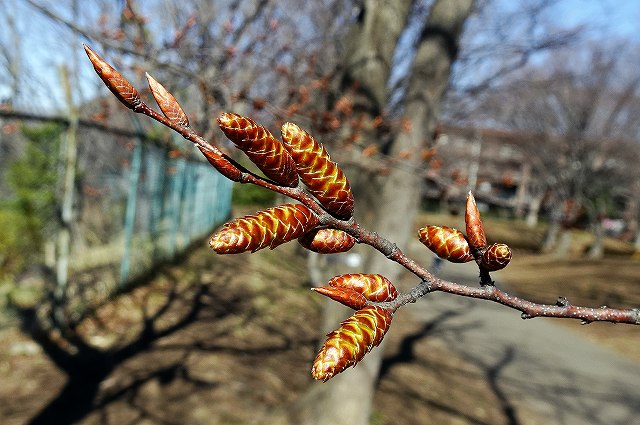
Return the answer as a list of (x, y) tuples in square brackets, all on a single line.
[(367, 68), (577, 126)]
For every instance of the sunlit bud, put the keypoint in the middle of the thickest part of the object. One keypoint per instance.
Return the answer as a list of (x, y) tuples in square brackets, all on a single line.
[(496, 257), (327, 241), (167, 103), (324, 179), (346, 296), (261, 147), (222, 164), (446, 242), (268, 228), (374, 287), (119, 86), (348, 344), (475, 230)]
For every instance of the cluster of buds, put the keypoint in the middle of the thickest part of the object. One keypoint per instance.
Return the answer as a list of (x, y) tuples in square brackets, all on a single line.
[(452, 245), (298, 159), (357, 335)]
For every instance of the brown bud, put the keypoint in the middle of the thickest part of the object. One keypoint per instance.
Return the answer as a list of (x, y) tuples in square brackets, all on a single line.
[(374, 287), (327, 241), (446, 242), (475, 230), (268, 228), (261, 147), (348, 344), (496, 257), (167, 103), (119, 86), (346, 296), (324, 179), (222, 164)]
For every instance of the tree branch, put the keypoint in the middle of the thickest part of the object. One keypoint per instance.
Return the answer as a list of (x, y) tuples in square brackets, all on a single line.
[(174, 117), (429, 282)]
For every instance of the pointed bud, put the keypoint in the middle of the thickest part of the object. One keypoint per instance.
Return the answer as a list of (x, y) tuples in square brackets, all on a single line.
[(119, 86), (327, 241), (167, 103), (268, 228), (261, 147), (374, 287), (475, 229), (346, 296), (348, 344), (446, 242), (496, 257), (222, 164), (324, 179)]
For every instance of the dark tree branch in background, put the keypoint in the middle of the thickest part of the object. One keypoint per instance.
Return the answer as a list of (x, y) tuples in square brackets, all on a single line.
[(90, 124), (149, 57)]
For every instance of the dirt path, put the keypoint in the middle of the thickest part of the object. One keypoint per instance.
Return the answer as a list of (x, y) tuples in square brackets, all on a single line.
[(535, 366)]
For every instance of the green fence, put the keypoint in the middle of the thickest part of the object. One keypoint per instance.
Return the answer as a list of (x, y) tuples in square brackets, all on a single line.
[(170, 202), (140, 205), (140, 198)]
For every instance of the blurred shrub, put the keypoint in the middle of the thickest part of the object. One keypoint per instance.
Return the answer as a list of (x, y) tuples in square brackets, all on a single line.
[(28, 217)]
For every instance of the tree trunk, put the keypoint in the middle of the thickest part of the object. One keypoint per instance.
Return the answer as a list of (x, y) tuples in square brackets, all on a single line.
[(394, 199), (535, 202), (524, 191), (561, 251), (596, 250), (555, 225)]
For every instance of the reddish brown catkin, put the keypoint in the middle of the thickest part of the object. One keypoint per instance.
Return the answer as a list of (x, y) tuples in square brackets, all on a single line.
[(261, 147), (446, 242), (221, 164), (374, 287), (348, 344), (324, 179), (268, 228), (327, 241), (475, 229), (346, 296), (167, 103), (496, 257), (119, 86)]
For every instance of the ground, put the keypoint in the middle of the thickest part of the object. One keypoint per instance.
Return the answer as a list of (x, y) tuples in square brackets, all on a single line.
[(251, 348)]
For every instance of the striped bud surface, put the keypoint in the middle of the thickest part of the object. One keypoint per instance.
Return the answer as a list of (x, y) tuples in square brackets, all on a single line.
[(446, 242), (268, 228), (374, 287), (222, 164), (261, 147), (167, 103), (327, 241), (496, 257), (346, 296), (348, 344), (119, 86), (324, 179), (475, 229)]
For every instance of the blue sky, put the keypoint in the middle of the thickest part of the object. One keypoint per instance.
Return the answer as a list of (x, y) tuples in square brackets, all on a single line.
[(616, 17)]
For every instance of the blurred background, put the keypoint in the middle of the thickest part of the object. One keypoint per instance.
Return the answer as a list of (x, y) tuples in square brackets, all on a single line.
[(113, 309)]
